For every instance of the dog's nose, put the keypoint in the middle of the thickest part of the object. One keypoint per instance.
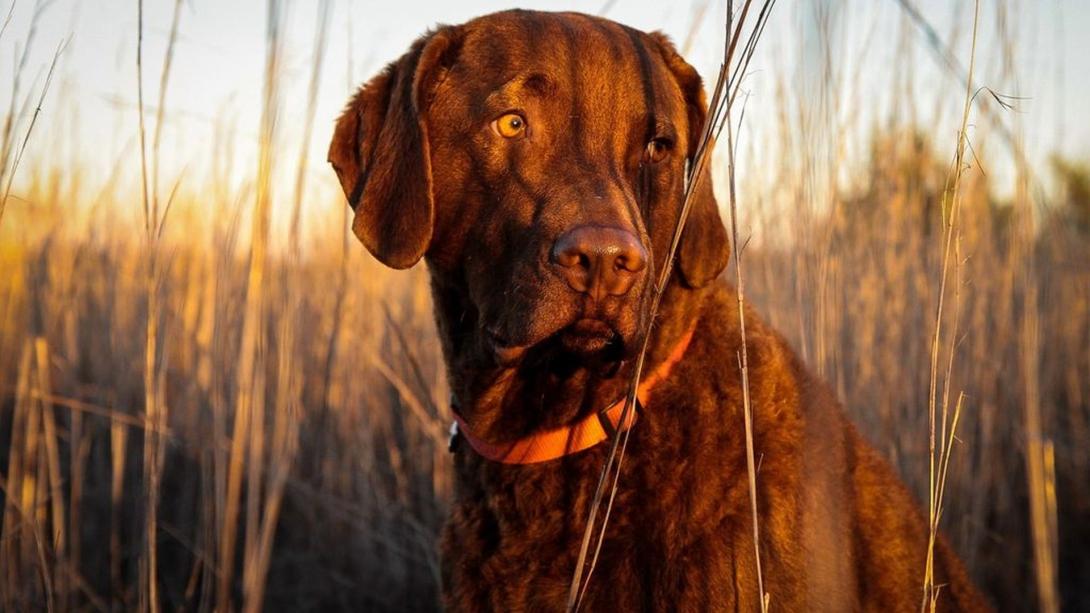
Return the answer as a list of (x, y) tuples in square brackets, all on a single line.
[(599, 260)]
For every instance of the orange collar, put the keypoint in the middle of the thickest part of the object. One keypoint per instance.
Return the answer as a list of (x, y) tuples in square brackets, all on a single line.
[(584, 434)]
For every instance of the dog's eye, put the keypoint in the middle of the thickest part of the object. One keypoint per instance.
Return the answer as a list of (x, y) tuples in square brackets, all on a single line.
[(656, 150), (511, 125)]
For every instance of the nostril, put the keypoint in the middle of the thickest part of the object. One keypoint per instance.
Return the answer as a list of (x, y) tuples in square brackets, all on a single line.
[(630, 262), (574, 256), (633, 257)]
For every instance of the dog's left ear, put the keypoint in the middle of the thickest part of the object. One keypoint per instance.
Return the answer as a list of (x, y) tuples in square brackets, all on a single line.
[(705, 248), (381, 154)]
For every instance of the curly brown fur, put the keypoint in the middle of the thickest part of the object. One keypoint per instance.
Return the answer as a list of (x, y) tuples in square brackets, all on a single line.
[(429, 177)]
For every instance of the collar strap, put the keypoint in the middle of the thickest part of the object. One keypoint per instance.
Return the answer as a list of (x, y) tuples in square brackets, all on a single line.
[(583, 434)]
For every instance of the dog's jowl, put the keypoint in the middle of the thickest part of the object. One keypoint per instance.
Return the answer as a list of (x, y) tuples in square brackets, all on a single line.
[(536, 162)]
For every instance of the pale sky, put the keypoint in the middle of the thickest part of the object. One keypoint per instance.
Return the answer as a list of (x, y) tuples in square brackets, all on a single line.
[(89, 112)]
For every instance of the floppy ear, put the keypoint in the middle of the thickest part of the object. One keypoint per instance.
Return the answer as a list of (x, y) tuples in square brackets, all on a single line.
[(380, 152), (705, 248)]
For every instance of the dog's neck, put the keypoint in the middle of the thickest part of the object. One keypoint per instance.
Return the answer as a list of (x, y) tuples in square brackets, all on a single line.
[(590, 431), (547, 391)]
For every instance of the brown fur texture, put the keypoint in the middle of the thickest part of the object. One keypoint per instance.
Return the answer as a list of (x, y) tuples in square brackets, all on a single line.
[(430, 177)]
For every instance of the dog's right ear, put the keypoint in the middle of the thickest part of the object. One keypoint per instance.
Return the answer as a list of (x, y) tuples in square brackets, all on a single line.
[(381, 155), (705, 248)]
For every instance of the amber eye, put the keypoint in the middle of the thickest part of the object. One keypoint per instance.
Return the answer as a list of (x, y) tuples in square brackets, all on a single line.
[(656, 151), (511, 125)]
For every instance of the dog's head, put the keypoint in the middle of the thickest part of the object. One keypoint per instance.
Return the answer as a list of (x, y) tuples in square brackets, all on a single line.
[(537, 161)]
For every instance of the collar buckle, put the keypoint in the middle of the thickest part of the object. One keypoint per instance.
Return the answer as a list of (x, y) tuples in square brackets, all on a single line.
[(454, 435)]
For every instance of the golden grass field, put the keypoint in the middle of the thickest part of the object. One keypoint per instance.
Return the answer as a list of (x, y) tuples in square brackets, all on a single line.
[(260, 411)]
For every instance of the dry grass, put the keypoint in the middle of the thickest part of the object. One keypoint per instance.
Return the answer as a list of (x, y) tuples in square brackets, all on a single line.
[(950, 240), (296, 415)]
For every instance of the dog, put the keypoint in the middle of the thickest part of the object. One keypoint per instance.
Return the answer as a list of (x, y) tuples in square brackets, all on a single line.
[(536, 162)]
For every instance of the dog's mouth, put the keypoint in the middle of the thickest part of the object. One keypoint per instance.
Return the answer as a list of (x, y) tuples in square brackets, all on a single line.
[(591, 342), (589, 337), (505, 351)]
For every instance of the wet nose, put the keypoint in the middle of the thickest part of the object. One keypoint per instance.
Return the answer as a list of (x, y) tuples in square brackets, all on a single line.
[(599, 260)]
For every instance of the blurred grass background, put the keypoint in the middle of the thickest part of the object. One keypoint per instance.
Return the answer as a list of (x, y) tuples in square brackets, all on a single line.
[(280, 441)]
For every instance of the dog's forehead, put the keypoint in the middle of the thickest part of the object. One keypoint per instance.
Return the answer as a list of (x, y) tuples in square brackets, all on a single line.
[(569, 52)]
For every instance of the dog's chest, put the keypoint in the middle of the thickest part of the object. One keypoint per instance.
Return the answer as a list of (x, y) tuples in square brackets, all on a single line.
[(513, 537)]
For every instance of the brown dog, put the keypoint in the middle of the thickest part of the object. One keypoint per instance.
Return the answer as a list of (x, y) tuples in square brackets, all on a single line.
[(536, 162)]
